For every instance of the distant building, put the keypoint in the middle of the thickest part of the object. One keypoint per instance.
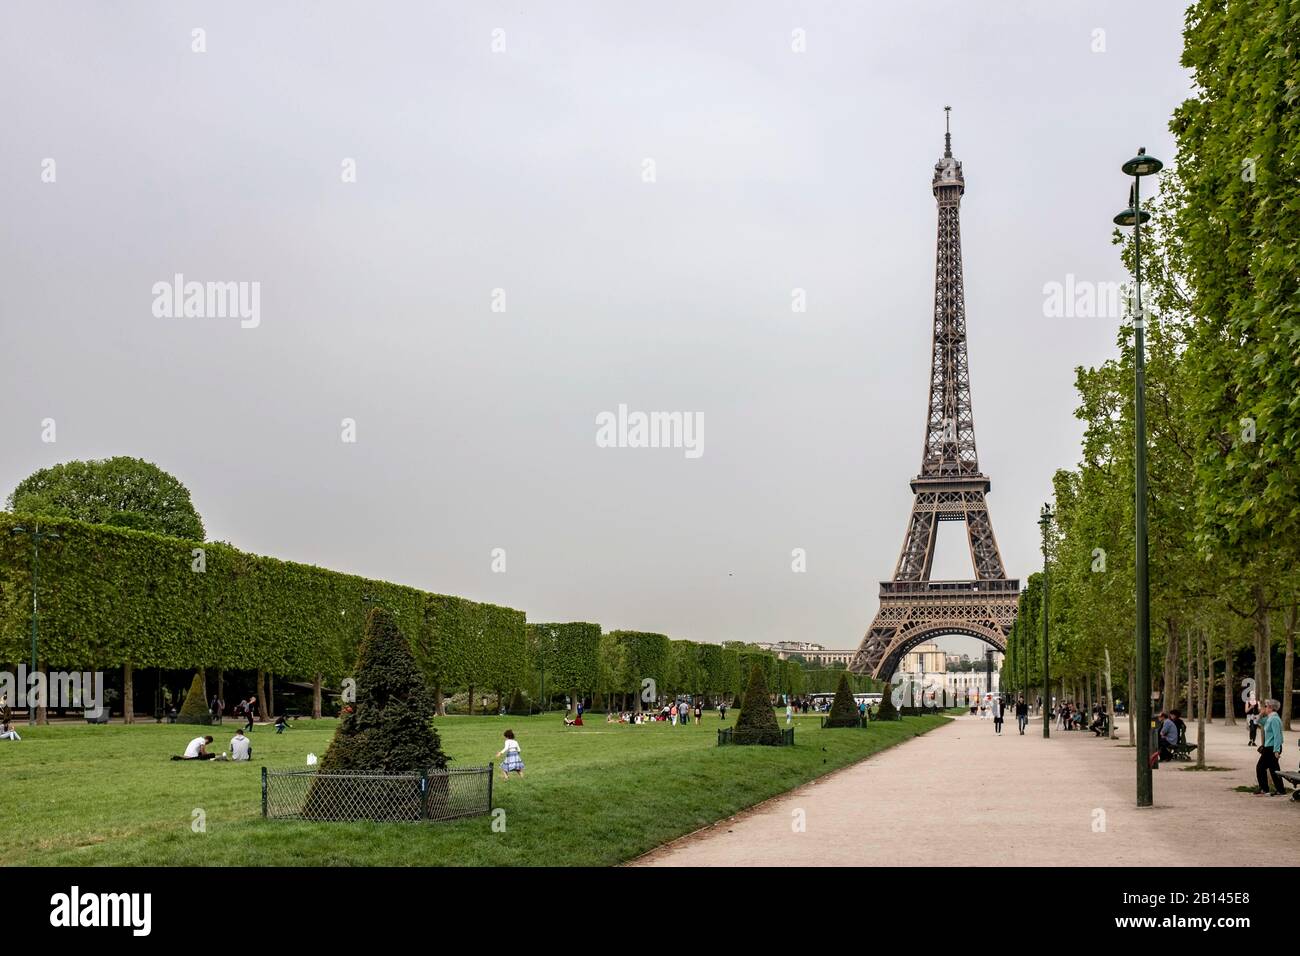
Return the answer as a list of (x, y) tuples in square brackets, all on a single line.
[(815, 655), (925, 658)]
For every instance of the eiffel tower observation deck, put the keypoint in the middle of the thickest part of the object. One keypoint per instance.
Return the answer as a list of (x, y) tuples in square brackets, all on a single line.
[(949, 486)]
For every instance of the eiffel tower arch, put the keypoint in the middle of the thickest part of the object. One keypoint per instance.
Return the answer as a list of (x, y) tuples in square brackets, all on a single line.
[(950, 485)]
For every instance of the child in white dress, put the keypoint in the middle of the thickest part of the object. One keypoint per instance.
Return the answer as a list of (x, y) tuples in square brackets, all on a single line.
[(511, 751)]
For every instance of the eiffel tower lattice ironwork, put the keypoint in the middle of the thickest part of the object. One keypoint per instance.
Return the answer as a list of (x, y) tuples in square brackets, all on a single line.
[(950, 486)]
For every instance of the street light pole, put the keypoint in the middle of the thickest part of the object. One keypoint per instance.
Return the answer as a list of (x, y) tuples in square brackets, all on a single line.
[(1137, 167), (1045, 521), (36, 534), (1024, 649)]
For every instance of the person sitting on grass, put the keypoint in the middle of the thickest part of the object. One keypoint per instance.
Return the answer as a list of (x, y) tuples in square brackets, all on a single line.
[(197, 750), (241, 748), (281, 724), (7, 731), (513, 761)]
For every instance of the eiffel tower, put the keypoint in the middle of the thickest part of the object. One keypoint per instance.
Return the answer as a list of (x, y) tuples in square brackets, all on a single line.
[(950, 486)]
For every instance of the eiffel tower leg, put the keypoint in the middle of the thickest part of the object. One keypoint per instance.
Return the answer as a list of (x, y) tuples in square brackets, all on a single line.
[(985, 556)]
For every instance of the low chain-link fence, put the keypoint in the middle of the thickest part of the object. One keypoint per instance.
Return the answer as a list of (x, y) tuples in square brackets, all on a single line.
[(380, 797), (857, 721), (783, 737)]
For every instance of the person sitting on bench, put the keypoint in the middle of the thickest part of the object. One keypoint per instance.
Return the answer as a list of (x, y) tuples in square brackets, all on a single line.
[(1168, 736), (197, 750)]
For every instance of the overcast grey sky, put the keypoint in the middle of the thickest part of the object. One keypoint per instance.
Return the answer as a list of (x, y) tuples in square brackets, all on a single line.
[(522, 169)]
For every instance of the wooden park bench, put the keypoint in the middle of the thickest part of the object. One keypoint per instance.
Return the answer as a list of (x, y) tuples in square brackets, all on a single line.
[(1183, 750), (1294, 780)]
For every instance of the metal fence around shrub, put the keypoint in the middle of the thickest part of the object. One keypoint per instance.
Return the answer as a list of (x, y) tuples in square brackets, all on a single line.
[(342, 796), (856, 722), (727, 738)]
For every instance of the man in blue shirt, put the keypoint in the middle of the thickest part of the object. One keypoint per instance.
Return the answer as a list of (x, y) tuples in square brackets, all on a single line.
[(1168, 736), (1270, 751)]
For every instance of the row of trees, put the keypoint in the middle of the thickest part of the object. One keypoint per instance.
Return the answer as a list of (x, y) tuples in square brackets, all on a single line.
[(114, 597), (624, 669), (1221, 270)]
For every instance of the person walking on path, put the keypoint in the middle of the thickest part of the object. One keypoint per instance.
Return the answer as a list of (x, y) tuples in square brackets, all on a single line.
[(789, 714), (250, 709), (1022, 715), (1270, 751), (722, 710), (1252, 720), (997, 715)]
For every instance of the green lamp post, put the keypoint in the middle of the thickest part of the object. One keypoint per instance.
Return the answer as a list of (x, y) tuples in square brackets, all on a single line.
[(37, 536), (1137, 167), (1045, 522)]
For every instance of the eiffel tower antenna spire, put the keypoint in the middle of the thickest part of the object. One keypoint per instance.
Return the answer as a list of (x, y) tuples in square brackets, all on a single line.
[(950, 485)]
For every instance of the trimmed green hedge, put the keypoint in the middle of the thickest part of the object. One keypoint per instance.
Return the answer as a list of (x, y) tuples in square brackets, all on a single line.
[(647, 658), (567, 653), (112, 596)]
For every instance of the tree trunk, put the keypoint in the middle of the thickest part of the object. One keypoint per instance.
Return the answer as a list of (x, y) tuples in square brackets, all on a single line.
[(471, 700), (1263, 647), (261, 695), (575, 702), (1288, 669), (1193, 655), (128, 694), (1132, 698), (1229, 710), (1110, 700), (315, 698), (1169, 699), (270, 695), (439, 702), (1200, 717), (221, 687)]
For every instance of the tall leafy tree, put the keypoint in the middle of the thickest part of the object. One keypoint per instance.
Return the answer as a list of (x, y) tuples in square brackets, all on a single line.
[(121, 491)]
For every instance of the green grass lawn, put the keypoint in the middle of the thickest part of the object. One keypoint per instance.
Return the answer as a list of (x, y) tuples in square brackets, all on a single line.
[(591, 796)]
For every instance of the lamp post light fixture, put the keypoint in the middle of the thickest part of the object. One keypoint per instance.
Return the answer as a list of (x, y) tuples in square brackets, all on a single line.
[(1045, 522), (1137, 167), (37, 535), (1024, 647)]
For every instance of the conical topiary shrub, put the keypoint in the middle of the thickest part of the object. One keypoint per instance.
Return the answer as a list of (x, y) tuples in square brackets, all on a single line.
[(844, 709), (195, 709), (756, 723), (887, 710), (387, 731)]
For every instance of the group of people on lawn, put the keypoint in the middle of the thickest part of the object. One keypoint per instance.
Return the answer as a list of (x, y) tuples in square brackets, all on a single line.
[(674, 713), (241, 748)]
